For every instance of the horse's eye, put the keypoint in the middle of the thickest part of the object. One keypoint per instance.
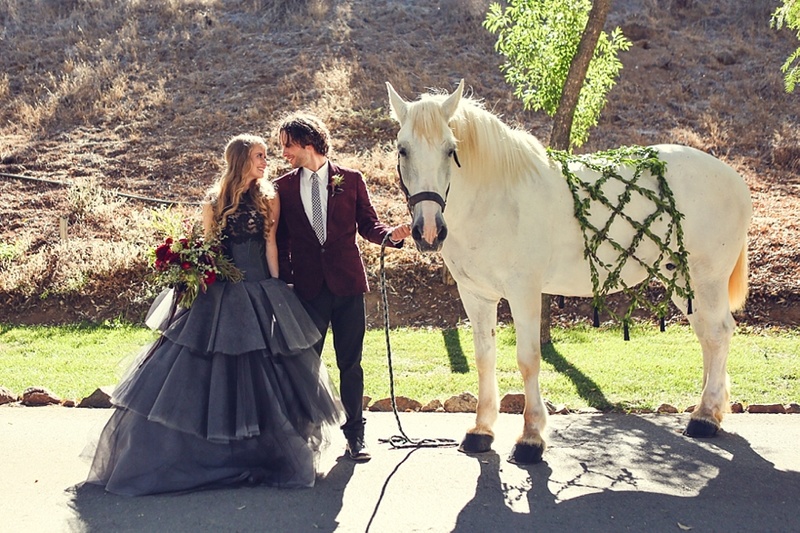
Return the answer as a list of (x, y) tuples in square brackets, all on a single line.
[(402, 151)]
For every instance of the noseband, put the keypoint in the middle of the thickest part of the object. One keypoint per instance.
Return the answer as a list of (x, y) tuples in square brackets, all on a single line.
[(414, 199)]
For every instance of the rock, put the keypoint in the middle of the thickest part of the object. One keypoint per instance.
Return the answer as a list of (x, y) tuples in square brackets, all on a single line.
[(365, 402), (68, 403), (725, 57), (551, 409), (512, 403), (737, 407), (793, 408), (99, 399), (666, 408), (637, 32), (772, 408), (463, 403), (433, 406), (6, 396), (37, 396), (403, 405)]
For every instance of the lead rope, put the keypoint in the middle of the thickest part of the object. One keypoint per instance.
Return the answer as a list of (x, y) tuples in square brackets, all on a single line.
[(402, 440)]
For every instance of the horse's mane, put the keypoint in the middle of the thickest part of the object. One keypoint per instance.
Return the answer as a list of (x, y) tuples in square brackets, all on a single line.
[(488, 149)]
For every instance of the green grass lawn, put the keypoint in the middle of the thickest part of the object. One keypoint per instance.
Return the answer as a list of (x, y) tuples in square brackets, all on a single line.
[(583, 367)]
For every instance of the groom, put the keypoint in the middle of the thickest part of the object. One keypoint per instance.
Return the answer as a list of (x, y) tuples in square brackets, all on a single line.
[(322, 206)]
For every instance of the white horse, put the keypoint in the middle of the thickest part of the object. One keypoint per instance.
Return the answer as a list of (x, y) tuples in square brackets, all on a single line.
[(510, 232)]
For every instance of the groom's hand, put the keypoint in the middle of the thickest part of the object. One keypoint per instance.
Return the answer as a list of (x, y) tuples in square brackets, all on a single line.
[(400, 232)]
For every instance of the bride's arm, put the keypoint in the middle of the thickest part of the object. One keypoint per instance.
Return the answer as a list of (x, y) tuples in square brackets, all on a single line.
[(272, 244)]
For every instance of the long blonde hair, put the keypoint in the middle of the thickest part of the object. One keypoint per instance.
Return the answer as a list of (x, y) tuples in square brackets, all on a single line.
[(223, 198)]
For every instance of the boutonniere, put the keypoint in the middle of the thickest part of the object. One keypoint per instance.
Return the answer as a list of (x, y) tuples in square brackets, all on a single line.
[(337, 180)]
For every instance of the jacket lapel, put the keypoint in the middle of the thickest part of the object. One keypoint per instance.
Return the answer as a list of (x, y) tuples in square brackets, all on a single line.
[(297, 201), (332, 171)]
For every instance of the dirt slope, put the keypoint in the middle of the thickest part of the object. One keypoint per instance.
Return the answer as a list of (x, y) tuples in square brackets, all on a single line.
[(142, 96)]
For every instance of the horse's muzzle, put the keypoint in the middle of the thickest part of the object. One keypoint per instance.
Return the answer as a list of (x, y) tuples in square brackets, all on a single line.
[(428, 228), (423, 245)]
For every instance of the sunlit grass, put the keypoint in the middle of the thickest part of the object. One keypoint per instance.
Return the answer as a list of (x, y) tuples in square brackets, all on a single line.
[(71, 361), (590, 367), (584, 366)]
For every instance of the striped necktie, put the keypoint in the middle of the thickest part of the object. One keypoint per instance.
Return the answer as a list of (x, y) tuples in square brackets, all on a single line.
[(316, 209)]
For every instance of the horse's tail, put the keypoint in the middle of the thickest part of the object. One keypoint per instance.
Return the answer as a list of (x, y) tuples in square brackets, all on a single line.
[(737, 283)]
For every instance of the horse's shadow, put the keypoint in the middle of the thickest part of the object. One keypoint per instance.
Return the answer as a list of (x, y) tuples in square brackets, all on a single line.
[(663, 481)]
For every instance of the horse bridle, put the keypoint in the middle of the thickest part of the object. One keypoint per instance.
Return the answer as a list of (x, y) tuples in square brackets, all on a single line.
[(414, 199)]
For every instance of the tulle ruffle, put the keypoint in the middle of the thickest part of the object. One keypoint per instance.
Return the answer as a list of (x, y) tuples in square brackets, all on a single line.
[(232, 390), (236, 318)]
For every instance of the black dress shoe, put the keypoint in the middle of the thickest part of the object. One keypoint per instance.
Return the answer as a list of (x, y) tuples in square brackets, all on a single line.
[(357, 451)]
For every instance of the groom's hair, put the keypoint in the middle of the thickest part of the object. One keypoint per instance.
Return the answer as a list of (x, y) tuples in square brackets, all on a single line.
[(305, 129)]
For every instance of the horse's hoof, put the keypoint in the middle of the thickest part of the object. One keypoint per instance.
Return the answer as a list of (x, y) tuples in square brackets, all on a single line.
[(476, 443), (526, 454), (700, 429)]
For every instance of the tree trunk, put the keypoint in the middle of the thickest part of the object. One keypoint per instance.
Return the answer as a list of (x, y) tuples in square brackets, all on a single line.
[(562, 122)]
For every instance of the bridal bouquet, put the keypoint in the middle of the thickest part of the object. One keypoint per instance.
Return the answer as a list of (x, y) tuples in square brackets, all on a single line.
[(189, 263)]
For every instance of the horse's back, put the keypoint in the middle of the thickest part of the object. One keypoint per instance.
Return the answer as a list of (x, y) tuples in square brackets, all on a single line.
[(714, 201), (705, 186)]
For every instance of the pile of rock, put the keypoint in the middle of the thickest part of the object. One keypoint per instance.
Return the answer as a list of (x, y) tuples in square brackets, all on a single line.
[(465, 402), (38, 396)]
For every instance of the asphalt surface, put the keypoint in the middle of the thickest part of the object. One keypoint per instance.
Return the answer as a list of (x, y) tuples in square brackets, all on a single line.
[(600, 473)]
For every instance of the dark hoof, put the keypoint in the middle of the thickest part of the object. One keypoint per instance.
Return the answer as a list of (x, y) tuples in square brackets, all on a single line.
[(526, 454), (476, 443), (700, 429)]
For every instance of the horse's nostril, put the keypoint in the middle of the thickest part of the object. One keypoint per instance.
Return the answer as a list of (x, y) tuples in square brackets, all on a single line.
[(443, 233), (416, 233)]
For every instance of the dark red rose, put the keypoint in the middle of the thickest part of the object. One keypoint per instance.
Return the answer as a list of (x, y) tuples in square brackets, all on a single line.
[(163, 251), (184, 242), (186, 265), (210, 277)]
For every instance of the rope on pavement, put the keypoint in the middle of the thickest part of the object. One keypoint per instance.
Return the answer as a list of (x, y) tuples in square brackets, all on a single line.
[(402, 440)]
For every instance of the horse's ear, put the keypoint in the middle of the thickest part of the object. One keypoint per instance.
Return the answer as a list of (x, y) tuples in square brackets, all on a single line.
[(450, 105), (398, 105)]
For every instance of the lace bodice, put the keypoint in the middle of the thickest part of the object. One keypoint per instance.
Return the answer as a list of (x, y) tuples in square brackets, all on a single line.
[(247, 223)]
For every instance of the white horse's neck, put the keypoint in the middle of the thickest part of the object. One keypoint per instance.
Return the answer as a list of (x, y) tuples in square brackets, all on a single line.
[(492, 151)]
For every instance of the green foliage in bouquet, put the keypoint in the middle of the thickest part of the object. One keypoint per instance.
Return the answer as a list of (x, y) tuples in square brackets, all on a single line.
[(189, 263)]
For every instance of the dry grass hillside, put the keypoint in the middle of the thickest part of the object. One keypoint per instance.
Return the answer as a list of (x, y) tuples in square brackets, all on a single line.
[(140, 97)]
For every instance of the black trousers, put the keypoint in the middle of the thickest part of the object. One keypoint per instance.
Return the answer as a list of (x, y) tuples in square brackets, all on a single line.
[(346, 316)]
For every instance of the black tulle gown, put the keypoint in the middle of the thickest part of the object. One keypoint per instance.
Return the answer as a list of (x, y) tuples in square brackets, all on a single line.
[(232, 392)]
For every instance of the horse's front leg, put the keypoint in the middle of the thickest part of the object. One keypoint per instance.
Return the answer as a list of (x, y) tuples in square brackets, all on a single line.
[(527, 319), (482, 315)]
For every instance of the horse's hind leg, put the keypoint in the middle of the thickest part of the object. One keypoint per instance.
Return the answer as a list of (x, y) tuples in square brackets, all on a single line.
[(482, 315), (714, 326)]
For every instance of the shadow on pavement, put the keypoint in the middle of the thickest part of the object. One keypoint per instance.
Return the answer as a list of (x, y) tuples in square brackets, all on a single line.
[(722, 484), (601, 473), (228, 509)]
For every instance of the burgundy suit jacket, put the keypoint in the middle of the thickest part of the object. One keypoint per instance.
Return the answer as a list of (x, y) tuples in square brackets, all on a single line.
[(303, 260)]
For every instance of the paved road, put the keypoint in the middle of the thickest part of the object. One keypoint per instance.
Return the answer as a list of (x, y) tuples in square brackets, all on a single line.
[(601, 473)]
